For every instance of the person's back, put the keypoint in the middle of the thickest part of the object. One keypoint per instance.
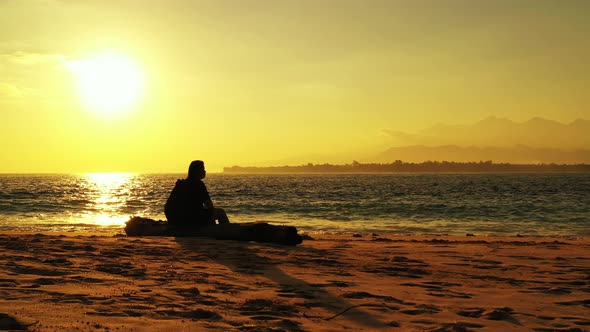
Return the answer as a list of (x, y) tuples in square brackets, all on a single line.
[(189, 204), (185, 206)]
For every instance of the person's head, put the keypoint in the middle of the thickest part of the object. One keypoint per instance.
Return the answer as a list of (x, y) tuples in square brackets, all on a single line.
[(196, 170)]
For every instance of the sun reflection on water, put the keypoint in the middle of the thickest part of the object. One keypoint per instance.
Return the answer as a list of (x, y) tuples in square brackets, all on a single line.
[(107, 194)]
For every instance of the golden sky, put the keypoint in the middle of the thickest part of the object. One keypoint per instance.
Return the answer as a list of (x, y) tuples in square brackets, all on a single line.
[(248, 82)]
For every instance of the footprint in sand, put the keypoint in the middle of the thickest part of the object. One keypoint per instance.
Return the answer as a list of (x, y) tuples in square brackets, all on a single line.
[(35, 270), (337, 283), (404, 267), (124, 269), (439, 289), (290, 291), (585, 303), (58, 262), (366, 295), (188, 293), (471, 312), (549, 290), (503, 314), (422, 309), (263, 309), (196, 314)]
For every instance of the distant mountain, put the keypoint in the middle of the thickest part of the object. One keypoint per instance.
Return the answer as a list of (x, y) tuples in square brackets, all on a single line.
[(492, 131), (519, 154)]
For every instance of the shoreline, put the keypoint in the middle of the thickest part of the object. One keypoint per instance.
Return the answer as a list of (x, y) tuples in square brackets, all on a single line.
[(117, 231), (73, 281)]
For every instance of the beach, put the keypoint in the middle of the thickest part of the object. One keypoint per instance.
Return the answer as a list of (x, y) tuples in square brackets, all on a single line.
[(343, 282)]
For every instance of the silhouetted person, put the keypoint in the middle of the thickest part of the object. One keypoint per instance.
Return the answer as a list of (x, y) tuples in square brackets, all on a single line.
[(189, 205)]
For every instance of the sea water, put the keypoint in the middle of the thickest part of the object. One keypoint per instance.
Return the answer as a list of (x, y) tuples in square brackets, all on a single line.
[(502, 204)]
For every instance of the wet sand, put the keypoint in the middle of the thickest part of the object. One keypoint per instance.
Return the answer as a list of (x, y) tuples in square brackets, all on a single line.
[(51, 282)]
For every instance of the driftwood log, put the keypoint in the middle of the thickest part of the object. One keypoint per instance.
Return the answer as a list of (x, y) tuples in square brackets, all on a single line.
[(258, 232)]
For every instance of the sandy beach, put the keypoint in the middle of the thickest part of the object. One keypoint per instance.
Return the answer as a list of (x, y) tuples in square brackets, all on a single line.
[(347, 282)]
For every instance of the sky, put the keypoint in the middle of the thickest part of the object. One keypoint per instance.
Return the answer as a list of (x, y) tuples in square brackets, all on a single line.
[(259, 82)]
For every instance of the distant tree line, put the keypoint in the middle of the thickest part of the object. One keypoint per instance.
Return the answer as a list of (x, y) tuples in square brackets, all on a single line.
[(399, 166)]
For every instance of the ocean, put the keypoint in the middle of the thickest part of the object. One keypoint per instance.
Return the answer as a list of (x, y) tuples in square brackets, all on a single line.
[(456, 204)]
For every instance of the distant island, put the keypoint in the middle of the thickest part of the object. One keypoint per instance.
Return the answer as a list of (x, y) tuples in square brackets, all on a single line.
[(399, 166)]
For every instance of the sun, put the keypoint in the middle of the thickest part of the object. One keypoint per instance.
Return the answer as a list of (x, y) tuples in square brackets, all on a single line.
[(108, 83)]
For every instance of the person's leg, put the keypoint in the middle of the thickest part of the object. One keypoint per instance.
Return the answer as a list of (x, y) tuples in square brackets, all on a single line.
[(221, 216)]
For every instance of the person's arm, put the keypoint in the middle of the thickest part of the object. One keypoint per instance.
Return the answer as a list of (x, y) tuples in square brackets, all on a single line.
[(209, 204), (207, 200)]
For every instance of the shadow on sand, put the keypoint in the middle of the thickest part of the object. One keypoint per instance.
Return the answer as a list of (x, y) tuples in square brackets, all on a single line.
[(266, 260)]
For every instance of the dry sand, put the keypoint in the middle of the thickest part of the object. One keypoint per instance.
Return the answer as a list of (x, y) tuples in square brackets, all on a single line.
[(52, 282)]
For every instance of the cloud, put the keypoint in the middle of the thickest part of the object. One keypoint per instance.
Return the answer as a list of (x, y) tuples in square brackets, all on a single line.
[(31, 58), (23, 73)]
